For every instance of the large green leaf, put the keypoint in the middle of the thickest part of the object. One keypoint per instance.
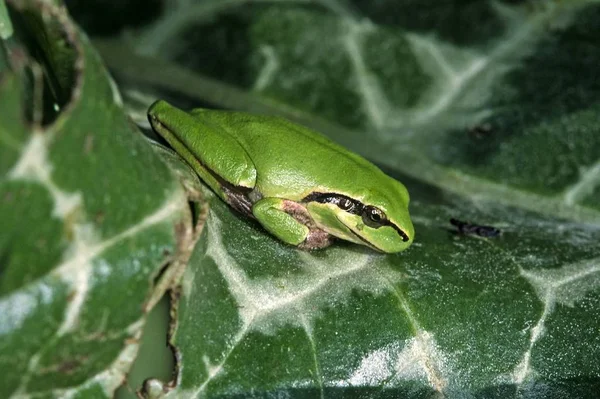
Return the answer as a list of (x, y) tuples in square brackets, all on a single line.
[(87, 212), (453, 314), (494, 106), (487, 111)]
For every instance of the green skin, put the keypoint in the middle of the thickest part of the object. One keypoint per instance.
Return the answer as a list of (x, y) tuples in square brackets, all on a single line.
[(300, 186)]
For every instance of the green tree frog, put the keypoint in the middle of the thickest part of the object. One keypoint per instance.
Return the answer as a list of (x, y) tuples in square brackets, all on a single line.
[(300, 186)]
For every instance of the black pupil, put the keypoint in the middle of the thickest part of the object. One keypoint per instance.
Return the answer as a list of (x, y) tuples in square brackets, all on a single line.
[(376, 217)]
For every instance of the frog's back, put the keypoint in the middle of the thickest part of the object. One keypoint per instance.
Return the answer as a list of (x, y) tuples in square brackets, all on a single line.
[(290, 158), (293, 161)]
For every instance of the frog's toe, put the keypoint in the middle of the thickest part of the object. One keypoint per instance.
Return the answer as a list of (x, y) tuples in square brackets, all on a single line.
[(316, 239)]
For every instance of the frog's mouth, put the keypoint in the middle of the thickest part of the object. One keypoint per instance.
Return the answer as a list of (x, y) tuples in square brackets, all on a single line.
[(367, 243), (361, 238)]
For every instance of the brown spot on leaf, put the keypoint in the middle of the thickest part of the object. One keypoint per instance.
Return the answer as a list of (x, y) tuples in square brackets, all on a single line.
[(88, 144), (99, 217), (71, 295), (482, 131), (8, 197)]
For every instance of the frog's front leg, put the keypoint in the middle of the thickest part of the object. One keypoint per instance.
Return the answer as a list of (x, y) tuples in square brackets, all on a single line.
[(290, 222)]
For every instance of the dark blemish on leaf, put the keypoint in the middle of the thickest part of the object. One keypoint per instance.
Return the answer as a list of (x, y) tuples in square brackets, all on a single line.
[(480, 132), (467, 228), (41, 243), (71, 295), (174, 298), (69, 366), (193, 212), (5, 255), (99, 217), (8, 197)]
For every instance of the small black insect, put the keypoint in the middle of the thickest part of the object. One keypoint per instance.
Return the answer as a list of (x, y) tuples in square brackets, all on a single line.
[(475, 229)]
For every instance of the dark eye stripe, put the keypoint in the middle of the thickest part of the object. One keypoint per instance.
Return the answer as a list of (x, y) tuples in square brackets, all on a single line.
[(341, 201), (356, 208), (400, 232)]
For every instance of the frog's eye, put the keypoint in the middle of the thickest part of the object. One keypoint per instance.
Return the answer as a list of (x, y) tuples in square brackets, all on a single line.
[(373, 217)]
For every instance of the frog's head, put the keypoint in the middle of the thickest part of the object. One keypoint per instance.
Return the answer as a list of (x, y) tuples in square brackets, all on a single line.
[(378, 219)]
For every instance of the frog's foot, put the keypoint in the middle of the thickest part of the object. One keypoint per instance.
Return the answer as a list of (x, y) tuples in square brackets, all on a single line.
[(290, 222), (271, 215), (316, 237)]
